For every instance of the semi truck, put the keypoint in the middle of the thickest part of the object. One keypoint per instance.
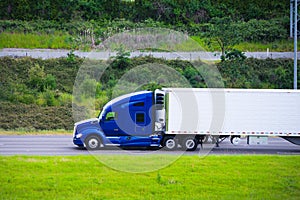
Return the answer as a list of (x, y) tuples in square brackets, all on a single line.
[(173, 118)]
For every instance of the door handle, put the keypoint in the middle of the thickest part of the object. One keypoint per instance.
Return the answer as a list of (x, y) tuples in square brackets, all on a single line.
[(116, 129)]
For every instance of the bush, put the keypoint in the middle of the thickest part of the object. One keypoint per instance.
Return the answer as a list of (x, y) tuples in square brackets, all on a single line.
[(57, 73), (47, 98), (264, 30), (52, 109), (65, 99), (90, 22), (18, 92), (37, 78), (234, 55), (35, 117), (171, 12), (256, 73)]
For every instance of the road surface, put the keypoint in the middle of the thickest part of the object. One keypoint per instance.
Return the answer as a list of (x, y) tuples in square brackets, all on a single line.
[(62, 145), (210, 56)]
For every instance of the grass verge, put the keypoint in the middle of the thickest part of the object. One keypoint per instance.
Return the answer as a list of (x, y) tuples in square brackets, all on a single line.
[(35, 132), (190, 177), (33, 41), (277, 46), (63, 41)]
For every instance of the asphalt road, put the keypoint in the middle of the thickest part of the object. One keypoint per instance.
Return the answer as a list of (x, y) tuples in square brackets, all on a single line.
[(62, 145), (52, 53)]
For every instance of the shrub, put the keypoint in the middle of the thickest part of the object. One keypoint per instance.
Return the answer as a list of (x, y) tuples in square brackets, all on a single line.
[(168, 11), (52, 109), (257, 73), (264, 30), (65, 99), (35, 117), (234, 55), (37, 78), (50, 82), (47, 98)]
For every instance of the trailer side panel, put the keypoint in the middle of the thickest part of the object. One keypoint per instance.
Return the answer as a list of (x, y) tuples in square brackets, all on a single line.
[(233, 111)]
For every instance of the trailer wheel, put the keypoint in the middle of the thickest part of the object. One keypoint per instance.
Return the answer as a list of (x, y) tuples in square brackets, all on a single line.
[(235, 140), (190, 143), (170, 143), (92, 142)]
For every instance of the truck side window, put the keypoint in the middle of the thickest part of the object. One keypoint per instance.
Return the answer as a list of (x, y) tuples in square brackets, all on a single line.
[(111, 116), (139, 104), (140, 117)]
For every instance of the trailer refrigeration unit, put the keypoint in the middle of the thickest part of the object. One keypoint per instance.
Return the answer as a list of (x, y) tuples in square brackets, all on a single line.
[(185, 117)]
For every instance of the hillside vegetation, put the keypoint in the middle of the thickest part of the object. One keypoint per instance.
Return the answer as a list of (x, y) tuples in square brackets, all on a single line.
[(37, 94), (76, 24), (167, 11)]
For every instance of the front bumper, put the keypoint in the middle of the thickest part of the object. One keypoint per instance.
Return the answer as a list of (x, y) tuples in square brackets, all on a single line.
[(78, 142), (77, 138)]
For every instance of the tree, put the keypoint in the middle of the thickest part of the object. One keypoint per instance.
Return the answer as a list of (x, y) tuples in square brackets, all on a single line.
[(36, 77), (39, 80), (234, 54), (225, 32)]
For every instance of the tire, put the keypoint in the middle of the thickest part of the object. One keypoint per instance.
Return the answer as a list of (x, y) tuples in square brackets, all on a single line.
[(170, 143), (190, 144), (235, 140), (92, 142)]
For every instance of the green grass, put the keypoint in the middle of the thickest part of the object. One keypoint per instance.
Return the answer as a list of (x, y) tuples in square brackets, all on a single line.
[(190, 177), (35, 132), (62, 41), (277, 46), (32, 41)]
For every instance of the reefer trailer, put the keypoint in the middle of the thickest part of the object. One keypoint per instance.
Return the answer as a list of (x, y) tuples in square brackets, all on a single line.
[(186, 117)]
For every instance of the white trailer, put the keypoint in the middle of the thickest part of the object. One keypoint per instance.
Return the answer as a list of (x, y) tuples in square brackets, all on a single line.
[(252, 113)]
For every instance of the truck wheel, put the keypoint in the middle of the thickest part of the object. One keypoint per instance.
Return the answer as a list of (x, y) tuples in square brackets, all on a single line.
[(190, 143), (235, 140), (92, 142), (170, 143)]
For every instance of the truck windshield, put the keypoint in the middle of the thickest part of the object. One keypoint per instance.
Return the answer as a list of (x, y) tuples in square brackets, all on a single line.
[(103, 112), (99, 115)]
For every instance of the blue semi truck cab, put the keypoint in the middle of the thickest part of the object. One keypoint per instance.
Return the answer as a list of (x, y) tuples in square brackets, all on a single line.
[(127, 121)]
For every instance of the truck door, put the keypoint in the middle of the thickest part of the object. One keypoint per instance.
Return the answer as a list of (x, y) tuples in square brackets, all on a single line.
[(140, 131), (109, 125)]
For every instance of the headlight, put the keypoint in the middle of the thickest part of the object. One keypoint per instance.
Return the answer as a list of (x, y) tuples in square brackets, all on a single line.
[(79, 135), (74, 131)]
